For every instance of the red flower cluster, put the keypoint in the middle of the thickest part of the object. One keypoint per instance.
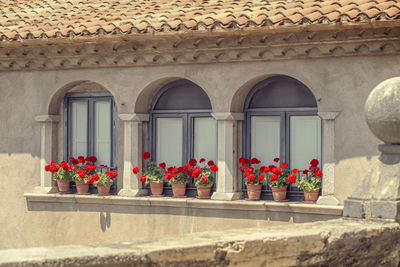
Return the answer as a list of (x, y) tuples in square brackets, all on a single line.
[(314, 168), (249, 172), (146, 155), (92, 179), (162, 165), (91, 159), (142, 178), (52, 167), (136, 170), (82, 174), (111, 174), (90, 168)]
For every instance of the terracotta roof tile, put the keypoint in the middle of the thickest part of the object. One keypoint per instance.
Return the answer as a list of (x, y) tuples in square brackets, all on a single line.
[(69, 18)]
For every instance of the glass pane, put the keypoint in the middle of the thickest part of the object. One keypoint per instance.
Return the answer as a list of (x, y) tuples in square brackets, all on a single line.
[(79, 128), (265, 138), (305, 140), (102, 132), (169, 141), (205, 138)]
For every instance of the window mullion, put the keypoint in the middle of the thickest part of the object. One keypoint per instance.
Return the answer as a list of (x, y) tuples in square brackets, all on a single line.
[(90, 149), (284, 138), (186, 138)]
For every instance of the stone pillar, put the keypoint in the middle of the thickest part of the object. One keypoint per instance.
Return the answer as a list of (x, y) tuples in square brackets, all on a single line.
[(48, 151), (133, 142), (378, 196), (227, 156), (328, 158)]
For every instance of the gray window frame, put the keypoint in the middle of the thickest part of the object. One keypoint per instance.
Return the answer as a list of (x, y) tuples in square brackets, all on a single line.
[(294, 193), (188, 116), (90, 98)]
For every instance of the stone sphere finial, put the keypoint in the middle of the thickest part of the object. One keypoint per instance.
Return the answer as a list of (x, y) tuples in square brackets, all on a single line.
[(382, 111)]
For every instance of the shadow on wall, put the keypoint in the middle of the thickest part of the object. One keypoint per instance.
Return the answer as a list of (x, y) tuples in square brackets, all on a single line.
[(107, 210)]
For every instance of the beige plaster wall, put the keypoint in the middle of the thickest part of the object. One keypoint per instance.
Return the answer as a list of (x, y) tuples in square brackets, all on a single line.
[(339, 84)]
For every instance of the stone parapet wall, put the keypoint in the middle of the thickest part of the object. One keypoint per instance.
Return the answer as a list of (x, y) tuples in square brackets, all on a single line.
[(333, 243)]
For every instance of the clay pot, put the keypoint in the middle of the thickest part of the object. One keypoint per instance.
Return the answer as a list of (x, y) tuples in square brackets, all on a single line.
[(103, 190), (179, 190), (279, 194), (203, 192), (311, 196), (156, 189), (82, 188), (254, 191), (63, 186)]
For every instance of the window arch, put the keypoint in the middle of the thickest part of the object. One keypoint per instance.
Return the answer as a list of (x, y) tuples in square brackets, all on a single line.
[(181, 126), (281, 121)]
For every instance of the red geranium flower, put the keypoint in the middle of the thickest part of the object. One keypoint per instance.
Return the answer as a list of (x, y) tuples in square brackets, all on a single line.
[(162, 165), (243, 167), (314, 162), (90, 167), (277, 171), (305, 171), (90, 180), (261, 177), (266, 169), (210, 163), (251, 178), (214, 168), (276, 159), (146, 155), (243, 161), (284, 165), (318, 173), (295, 171), (96, 177), (142, 178), (81, 159), (204, 178), (168, 176), (255, 161), (192, 162), (202, 160), (292, 178), (187, 166), (112, 174), (274, 177), (136, 170), (81, 174)]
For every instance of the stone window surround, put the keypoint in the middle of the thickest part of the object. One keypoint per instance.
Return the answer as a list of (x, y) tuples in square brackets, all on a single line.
[(227, 182)]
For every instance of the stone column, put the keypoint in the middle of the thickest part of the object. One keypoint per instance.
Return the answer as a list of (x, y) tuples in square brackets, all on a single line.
[(48, 151), (227, 156), (378, 196), (133, 142), (328, 158)]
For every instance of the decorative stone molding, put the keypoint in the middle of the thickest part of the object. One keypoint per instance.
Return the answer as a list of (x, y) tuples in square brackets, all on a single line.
[(328, 158), (227, 156), (201, 48), (133, 134), (47, 152)]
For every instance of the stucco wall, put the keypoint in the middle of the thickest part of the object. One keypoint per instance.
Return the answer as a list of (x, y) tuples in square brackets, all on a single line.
[(339, 84)]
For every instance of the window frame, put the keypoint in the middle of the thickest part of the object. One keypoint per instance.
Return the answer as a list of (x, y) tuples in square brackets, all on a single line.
[(188, 116), (90, 98), (294, 193)]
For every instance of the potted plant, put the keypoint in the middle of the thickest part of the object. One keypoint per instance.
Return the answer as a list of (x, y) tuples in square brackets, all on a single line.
[(204, 177), (178, 178), (152, 174), (62, 173), (103, 181), (253, 177), (311, 182), (279, 180), (83, 172)]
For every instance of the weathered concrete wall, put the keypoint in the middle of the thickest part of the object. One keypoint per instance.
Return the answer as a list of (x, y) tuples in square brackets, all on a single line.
[(339, 84), (332, 243)]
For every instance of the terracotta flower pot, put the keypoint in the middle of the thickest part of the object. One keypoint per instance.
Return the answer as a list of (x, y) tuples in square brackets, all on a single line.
[(203, 192), (103, 190), (311, 196), (254, 191), (179, 190), (63, 186), (156, 189), (279, 194), (82, 188)]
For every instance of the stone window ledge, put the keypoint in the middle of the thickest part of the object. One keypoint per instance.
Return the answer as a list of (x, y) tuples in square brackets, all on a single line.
[(267, 206)]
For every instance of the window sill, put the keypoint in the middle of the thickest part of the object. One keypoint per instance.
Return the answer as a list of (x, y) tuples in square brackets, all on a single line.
[(191, 203)]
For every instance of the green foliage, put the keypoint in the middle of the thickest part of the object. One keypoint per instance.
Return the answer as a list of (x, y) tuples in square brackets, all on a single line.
[(210, 177), (65, 175), (179, 179), (308, 183), (282, 179), (104, 180), (154, 173)]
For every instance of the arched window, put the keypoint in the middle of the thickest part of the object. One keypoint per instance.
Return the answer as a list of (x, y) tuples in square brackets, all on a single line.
[(182, 126), (281, 121)]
